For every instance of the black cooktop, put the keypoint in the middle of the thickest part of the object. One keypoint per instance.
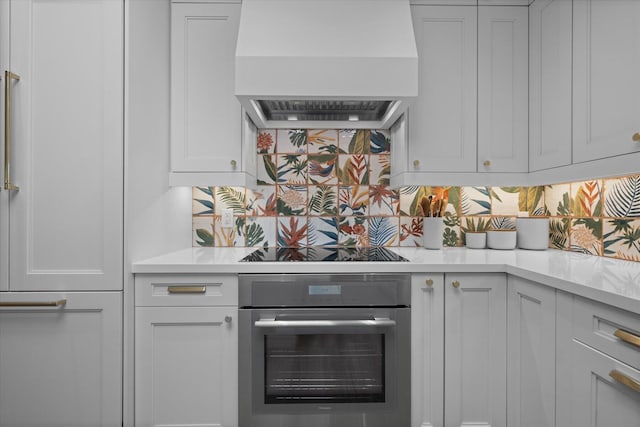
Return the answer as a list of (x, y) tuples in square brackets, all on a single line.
[(323, 253)]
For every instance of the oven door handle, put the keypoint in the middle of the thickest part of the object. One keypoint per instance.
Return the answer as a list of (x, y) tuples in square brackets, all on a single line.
[(272, 323)]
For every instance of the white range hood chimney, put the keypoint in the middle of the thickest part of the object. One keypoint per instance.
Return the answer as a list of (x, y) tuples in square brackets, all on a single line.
[(326, 63)]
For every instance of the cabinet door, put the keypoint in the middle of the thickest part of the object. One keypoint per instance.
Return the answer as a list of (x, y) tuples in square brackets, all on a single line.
[(4, 195), (475, 349), (549, 84), (606, 87), (427, 349), (442, 121), (599, 400), (61, 366), (206, 124), (186, 366), (503, 110), (66, 219), (531, 354)]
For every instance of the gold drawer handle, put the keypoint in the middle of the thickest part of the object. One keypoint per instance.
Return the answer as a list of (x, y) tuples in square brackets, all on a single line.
[(187, 289), (58, 303), (627, 337), (623, 379), (636, 136)]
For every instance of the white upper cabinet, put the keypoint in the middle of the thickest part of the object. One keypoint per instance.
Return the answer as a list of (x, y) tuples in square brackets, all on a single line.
[(442, 121), (606, 86), (549, 84), (66, 219), (502, 89), (207, 123)]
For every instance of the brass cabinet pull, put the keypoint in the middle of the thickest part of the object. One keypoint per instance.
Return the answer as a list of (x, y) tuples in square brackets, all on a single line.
[(455, 284), (228, 319), (636, 136), (8, 76), (633, 384), (487, 163), (416, 164), (429, 282), (58, 303), (187, 289), (234, 164), (627, 337)]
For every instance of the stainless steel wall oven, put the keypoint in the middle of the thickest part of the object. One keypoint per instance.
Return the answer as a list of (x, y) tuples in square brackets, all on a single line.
[(328, 350)]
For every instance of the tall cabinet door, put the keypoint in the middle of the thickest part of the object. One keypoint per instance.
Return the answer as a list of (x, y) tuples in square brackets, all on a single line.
[(61, 365), (549, 84), (66, 217), (427, 349), (4, 195), (606, 87), (503, 110), (475, 349), (442, 121)]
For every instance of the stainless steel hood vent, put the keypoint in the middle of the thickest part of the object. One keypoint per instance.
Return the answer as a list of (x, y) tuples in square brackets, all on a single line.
[(326, 63)]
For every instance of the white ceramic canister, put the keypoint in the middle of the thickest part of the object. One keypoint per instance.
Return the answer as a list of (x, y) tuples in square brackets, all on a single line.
[(476, 239), (501, 239), (432, 231), (533, 233)]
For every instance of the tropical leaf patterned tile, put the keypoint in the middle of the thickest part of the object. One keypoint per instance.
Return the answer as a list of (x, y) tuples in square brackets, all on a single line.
[(323, 168), (531, 200), (260, 231), (323, 231), (383, 231), (475, 224), (353, 231), (559, 233), (354, 141), (410, 231), (622, 197), (262, 201), (557, 199), (383, 200), (380, 169), (621, 238), (292, 168), (292, 231), (475, 201), (505, 200), (353, 200), (380, 142), (292, 200), (229, 236), (203, 231), (323, 200), (452, 234), (503, 223), (292, 141), (230, 198), (353, 169), (586, 199), (323, 141), (586, 235), (267, 173), (203, 198), (409, 200), (266, 141)]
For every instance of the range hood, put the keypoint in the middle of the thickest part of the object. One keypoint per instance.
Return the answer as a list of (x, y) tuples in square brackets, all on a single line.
[(326, 63)]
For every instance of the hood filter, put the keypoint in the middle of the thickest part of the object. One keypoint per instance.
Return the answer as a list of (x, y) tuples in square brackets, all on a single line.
[(324, 110)]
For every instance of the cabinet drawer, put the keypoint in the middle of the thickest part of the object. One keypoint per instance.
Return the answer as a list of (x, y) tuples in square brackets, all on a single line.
[(180, 290), (610, 330)]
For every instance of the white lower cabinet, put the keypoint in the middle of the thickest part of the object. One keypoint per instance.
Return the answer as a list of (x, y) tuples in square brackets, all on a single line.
[(186, 356), (531, 352), (61, 365), (475, 349)]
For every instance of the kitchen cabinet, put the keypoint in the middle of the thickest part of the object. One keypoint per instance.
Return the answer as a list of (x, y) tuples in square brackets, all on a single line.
[(606, 88), (63, 228), (531, 352), (598, 364), (550, 39), (212, 140), (186, 350), (61, 365), (427, 349), (475, 348)]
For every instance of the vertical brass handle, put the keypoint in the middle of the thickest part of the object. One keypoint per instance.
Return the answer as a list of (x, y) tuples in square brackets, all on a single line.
[(429, 282), (636, 137), (627, 337), (632, 383), (455, 284), (8, 76)]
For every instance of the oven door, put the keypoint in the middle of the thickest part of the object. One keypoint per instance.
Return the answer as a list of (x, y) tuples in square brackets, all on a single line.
[(338, 360)]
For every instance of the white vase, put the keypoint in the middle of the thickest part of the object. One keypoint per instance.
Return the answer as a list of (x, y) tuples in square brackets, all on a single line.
[(476, 239), (432, 232), (533, 233)]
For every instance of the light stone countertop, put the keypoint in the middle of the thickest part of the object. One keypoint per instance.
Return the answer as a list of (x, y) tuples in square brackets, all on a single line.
[(607, 280)]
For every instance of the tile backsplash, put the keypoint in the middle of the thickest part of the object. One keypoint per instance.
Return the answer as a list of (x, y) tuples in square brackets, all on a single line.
[(331, 187)]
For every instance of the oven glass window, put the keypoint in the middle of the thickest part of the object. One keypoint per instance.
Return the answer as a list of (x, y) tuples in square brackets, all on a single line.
[(324, 368)]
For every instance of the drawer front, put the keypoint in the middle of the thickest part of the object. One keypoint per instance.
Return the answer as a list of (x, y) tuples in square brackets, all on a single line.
[(610, 330), (157, 290)]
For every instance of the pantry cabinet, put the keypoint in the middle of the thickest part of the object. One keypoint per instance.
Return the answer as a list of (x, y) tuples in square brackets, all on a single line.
[(186, 350), (61, 365), (606, 88), (62, 218), (475, 349), (212, 140)]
